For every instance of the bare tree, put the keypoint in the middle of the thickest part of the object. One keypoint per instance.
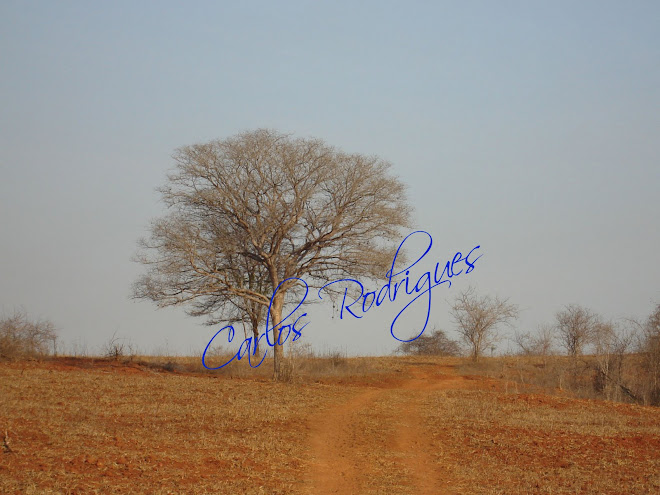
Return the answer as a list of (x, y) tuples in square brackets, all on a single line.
[(477, 319), (538, 344), (611, 344), (436, 343), (272, 207), (575, 326), (22, 337), (650, 351)]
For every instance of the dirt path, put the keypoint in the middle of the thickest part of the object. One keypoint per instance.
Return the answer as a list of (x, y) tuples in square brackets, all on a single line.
[(376, 442)]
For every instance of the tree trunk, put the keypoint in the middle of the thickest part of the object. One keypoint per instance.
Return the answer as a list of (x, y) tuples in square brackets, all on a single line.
[(255, 339), (476, 348), (255, 321), (276, 317)]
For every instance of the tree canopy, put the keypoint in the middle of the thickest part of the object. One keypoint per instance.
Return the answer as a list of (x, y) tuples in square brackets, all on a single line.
[(250, 214)]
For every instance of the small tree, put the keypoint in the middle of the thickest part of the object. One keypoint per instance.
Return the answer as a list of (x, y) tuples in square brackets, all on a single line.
[(436, 343), (611, 344), (22, 337), (477, 319), (650, 351), (538, 344), (575, 326)]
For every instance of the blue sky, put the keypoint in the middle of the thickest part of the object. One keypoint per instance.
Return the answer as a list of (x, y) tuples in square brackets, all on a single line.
[(530, 128)]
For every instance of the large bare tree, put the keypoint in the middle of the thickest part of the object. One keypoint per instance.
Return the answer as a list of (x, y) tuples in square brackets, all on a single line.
[(250, 214), (477, 318)]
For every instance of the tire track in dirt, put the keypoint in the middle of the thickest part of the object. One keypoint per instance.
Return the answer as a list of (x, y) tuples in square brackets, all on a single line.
[(334, 440), (412, 439), (339, 444)]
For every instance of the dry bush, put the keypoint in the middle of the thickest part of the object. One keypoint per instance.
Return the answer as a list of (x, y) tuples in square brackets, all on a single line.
[(612, 377), (435, 344), (518, 372), (336, 358), (119, 348), (539, 344), (478, 317), (115, 348), (300, 364), (303, 364), (649, 349), (21, 337), (616, 369), (218, 355), (575, 326), (611, 362)]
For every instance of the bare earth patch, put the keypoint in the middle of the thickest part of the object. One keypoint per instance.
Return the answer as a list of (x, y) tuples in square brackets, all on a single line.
[(416, 428)]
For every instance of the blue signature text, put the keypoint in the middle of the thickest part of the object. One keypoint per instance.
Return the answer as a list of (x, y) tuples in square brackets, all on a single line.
[(357, 301)]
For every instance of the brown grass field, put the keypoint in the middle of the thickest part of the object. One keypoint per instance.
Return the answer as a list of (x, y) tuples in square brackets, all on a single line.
[(396, 425)]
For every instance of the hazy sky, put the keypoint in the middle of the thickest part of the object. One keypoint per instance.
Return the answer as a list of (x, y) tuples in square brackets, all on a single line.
[(530, 128)]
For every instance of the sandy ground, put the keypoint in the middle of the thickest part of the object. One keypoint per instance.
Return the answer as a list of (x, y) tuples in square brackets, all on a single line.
[(419, 428)]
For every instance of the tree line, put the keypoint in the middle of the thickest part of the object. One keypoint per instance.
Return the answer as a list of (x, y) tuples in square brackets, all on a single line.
[(617, 360)]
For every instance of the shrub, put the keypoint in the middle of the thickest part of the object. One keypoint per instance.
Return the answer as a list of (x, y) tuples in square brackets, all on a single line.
[(115, 348), (436, 344), (21, 337), (650, 351)]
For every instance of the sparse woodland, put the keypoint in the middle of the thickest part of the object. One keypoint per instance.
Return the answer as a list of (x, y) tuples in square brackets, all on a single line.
[(588, 357), (579, 353)]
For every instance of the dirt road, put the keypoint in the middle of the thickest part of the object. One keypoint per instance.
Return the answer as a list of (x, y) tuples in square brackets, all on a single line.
[(377, 441)]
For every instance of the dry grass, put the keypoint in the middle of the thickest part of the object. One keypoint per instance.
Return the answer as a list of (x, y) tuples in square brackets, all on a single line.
[(122, 430), (531, 443), (100, 426), (561, 375), (298, 368)]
